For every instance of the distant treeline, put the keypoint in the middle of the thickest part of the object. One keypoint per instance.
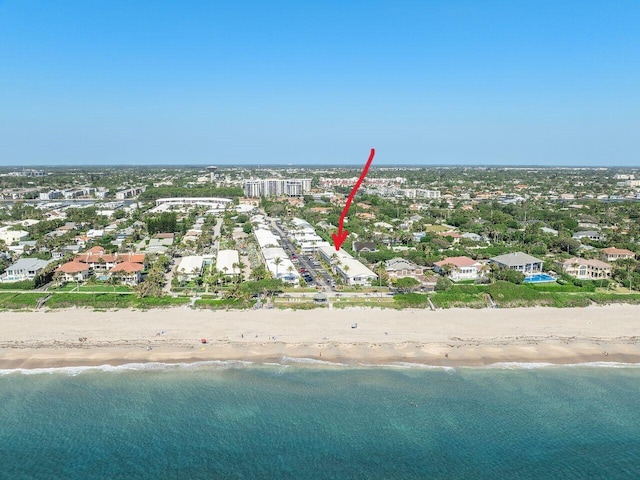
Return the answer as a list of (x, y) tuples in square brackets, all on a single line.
[(153, 193)]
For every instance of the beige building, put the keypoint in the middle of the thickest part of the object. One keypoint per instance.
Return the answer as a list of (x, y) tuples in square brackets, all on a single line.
[(73, 271), (612, 254), (585, 269), (460, 268)]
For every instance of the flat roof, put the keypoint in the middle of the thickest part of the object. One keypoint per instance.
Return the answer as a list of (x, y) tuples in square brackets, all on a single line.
[(228, 259)]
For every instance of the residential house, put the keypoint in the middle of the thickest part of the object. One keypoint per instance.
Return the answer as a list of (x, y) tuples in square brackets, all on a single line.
[(24, 269), (399, 267), (455, 236), (612, 254), (100, 261), (128, 273), (460, 268), (583, 269), (417, 236), (73, 271), (473, 237), (227, 262), (519, 261), (364, 247), (190, 267), (9, 236), (590, 234), (70, 249), (95, 233), (550, 231)]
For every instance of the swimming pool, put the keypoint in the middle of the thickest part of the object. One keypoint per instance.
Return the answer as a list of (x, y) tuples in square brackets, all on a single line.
[(539, 278)]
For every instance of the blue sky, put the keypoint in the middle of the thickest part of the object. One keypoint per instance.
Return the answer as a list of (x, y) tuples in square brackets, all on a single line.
[(424, 82)]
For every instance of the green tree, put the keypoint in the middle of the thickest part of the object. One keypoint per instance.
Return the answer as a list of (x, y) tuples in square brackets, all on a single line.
[(406, 284)]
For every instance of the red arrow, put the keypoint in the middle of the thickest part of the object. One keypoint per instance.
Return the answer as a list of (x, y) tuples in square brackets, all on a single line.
[(341, 235)]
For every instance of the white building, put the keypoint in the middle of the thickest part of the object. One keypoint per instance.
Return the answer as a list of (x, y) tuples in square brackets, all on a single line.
[(279, 264), (227, 262), (24, 269), (190, 267), (352, 271), (460, 268), (50, 195), (306, 237), (12, 236), (275, 258), (129, 193), (421, 193), (269, 187)]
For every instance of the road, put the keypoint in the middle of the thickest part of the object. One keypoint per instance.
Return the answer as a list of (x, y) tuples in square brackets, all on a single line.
[(303, 260)]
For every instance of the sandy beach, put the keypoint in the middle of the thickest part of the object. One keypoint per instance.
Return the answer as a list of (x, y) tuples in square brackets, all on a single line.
[(77, 337)]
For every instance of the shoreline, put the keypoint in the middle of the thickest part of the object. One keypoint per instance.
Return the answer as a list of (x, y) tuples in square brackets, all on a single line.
[(444, 338)]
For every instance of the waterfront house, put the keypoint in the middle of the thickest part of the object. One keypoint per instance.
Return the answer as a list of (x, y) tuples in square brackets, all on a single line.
[(73, 271), (399, 267), (583, 269), (519, 261), (459, 268), (128, 273), (24, 269), (612, 254)]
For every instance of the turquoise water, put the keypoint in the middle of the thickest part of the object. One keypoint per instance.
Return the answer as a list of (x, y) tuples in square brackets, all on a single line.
[(302, 422), (539, 278)]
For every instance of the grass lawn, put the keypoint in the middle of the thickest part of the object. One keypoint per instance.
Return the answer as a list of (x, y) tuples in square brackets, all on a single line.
[(17, 301), (98, 288)]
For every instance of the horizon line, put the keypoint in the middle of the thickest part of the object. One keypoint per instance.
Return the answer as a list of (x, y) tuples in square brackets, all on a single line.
[(313, 165)]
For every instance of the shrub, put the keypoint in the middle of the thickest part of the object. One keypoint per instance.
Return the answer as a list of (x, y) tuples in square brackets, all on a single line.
[(24, 285)]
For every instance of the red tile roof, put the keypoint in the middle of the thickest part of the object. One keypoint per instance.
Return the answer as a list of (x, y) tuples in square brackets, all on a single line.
[(72, 267), (128, 267), (619, 251), (581, 261), (457, 262)]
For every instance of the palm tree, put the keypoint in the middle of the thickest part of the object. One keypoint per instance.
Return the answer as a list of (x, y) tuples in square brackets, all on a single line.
[(56, 278), (334, 260), (447, 268), (241, 267), (277, 261), (290, 270), (345, 269), (380, 270)]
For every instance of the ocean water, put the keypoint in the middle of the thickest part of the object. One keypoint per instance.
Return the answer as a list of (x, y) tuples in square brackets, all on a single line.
[(239, 420)]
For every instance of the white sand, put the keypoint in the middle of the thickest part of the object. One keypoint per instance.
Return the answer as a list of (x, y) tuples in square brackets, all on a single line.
[(444, 337)]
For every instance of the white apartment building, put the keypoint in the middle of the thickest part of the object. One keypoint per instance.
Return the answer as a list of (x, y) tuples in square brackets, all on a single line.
[(306, 237), (352, 271), (270, 187), (129, 193), (227, 262), (421, 193)]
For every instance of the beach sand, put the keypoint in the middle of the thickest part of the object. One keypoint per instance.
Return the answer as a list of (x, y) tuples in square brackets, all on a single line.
[(445, 337)]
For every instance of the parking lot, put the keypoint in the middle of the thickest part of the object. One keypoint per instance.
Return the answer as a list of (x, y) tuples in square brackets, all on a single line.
[(310, 269)]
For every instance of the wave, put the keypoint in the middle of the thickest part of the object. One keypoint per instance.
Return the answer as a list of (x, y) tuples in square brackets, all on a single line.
[(286, 362), (534, 365), (408, 365), (310, 361), (126, 367)]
